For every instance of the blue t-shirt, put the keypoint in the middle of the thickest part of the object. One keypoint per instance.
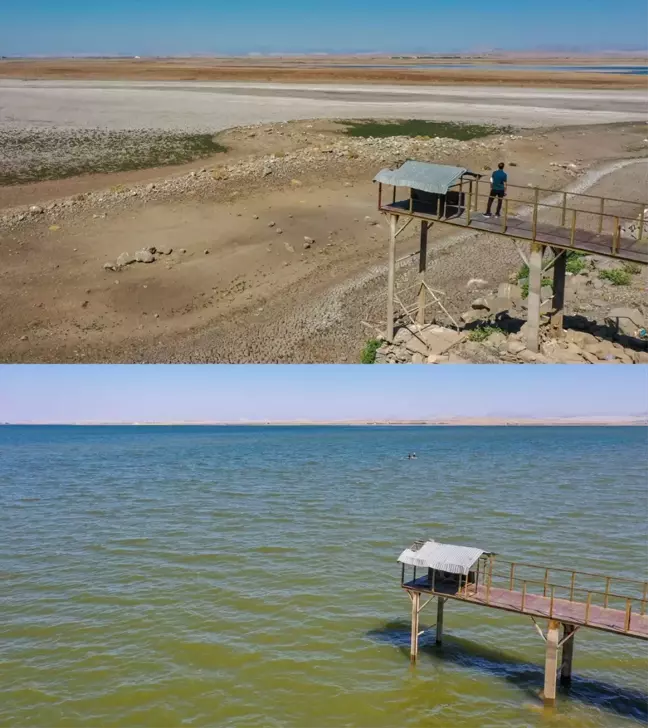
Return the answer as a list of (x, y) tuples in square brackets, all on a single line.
[(499, 178)]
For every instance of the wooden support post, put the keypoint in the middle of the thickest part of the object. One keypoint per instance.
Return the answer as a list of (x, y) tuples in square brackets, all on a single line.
[(567, 654), (559, 271), (534, 298), (601, 213), (439, 623), (416, 599), (563, 218), (420, 316), (391, 276), (551, 662)]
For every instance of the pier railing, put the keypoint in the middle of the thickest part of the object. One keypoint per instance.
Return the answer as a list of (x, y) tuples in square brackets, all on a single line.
[(571, 211), (592, 590)]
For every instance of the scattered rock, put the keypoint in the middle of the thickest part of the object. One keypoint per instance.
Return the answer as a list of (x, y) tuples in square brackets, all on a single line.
[(271, 224), (165, 250), (109, 266), (144, 256), (125, 259), (36, 210), (515, 347)]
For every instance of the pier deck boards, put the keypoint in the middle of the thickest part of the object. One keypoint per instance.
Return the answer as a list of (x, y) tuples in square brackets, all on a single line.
[(562, 610), (521, 228)]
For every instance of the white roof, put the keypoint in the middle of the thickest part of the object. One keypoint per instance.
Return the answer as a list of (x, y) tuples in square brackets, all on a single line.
[(442, 556)]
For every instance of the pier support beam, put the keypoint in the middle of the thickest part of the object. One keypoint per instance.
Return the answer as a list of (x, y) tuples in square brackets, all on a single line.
[(551, 662), (391, 276), (559, 270), (567, 654), (534, 300), (416, 603), (439, 622), (420, 317)]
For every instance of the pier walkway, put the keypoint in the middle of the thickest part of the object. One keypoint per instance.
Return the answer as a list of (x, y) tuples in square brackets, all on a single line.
[(568, 598)]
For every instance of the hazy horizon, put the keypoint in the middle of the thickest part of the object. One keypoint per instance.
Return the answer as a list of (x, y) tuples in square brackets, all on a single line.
[(78, 393), (165, 28)]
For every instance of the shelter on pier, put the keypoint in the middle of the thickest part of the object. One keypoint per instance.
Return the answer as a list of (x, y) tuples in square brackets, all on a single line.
[(567, 598), (553, 225)]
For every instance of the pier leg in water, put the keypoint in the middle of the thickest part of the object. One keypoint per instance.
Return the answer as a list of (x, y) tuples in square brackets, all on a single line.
[(567, 654), (439, 623), (534, 300), (416, 600), (551, 662)]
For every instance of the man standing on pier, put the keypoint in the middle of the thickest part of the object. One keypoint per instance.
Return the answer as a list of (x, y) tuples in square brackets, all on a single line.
[(498, 189)]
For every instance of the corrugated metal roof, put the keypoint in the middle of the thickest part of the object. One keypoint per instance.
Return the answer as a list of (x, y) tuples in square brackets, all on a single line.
[(442, 556), (435, 178)]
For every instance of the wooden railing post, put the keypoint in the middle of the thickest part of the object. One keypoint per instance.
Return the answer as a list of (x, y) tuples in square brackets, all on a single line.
[(642, 222), (628, 617), (616, 236), (573, 229), (600, 225), (546, 579), (587, 607), (551, 603), (563, 221), (477, 194), (379, 195), (607, 592), (512, 576), (505, 218), (490, 580), (571, 586), (535, 214), (645, 597), (469, 205), (523, 595)]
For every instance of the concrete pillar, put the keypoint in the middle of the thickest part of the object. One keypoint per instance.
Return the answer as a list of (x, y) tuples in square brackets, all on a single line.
[(391, 274), (534, 299), (551, 662), (420, 318), (439, 622), (416, 600), (559, 270), (567, 654)]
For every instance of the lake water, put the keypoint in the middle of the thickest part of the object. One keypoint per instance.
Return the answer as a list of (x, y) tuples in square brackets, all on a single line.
[(247, 576)]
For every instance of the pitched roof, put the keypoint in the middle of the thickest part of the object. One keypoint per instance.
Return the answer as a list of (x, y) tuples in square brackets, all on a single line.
[(435, 178), (441, 556)]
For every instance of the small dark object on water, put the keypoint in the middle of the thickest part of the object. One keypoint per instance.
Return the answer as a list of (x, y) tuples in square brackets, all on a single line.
[(411, 456)]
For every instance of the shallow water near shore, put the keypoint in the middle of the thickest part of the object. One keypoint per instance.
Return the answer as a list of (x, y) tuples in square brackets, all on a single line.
[(247, 576)]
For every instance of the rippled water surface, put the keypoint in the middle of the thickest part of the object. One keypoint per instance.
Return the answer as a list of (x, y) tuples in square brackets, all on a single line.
[(247, 576)]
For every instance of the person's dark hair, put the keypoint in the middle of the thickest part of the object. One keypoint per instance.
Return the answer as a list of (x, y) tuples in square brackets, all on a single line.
[(500, 165)]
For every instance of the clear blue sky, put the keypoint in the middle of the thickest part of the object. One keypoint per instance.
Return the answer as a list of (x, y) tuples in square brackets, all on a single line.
[(168, 27), (164, 393)]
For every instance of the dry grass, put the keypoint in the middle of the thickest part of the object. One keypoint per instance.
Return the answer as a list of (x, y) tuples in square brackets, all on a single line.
[(296, 71)]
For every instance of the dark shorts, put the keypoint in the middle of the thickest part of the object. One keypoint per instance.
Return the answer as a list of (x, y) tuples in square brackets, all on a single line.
[(497, 193)]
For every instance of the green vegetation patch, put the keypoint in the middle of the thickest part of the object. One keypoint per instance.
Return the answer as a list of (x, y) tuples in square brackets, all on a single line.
[(46, 154), (575, 262), (616, 276), (481, 333), (369, 352), (423, 129)]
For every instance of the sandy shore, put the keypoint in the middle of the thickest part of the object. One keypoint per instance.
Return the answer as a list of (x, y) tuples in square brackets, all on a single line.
[(215, 106)]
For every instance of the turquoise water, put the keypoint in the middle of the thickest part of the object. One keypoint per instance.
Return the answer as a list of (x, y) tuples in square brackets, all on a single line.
[(247, 576)]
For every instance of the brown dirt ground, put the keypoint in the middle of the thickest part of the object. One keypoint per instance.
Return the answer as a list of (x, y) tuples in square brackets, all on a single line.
[(296, 71), (250, 298)]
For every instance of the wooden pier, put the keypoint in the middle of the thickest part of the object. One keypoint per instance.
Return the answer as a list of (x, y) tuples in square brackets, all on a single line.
[(566, 598), (551, 222)]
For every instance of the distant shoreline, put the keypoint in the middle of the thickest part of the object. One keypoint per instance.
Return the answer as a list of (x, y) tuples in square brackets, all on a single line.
[(458, 422), (511, 71)]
